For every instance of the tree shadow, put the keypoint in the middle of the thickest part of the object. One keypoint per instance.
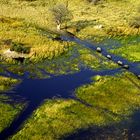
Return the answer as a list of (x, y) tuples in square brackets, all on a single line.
[(81, 24)]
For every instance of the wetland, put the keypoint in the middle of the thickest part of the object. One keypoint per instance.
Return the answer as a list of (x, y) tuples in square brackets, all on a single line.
[(80, 83)]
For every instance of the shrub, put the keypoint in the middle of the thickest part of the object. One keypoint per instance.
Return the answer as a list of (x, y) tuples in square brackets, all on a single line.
[(61, 14), (19, 47)]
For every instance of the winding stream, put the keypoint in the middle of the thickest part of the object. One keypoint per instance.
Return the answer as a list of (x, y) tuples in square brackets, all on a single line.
[(133, 66), (35, 91)]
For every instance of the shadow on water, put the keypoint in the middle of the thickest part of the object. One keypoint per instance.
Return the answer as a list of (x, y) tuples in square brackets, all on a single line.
[(35, 91), (125, 130)]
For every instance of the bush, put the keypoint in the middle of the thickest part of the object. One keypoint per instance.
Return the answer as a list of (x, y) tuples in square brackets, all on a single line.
[(19, 47)]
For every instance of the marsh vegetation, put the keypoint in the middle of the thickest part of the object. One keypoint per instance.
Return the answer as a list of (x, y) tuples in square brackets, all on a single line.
[(7, 111), (107, 105), (69, 84)]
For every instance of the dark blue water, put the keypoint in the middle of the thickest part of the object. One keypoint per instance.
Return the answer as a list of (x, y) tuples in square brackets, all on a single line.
[(35, 91), (125, 130), (133, 67)]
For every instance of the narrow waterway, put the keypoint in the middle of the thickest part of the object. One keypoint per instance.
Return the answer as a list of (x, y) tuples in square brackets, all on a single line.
[(123, 130), (133, 66), (35, 91)]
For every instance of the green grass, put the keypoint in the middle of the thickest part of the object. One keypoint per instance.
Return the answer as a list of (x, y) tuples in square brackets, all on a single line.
[(112, 100), (7, 111), (20, 48), (130, 48), (113, 15), (130, 52), (28, 22), (116, 94), (94, 60), (41, 47), (70, 62), (7, 83)]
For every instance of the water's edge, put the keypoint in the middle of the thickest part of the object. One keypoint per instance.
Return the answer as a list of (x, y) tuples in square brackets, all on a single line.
[(29, 89)]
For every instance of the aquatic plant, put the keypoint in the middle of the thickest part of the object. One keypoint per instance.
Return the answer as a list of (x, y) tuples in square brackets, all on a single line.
[(107, 101)]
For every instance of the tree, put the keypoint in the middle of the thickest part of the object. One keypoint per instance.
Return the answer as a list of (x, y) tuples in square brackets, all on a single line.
[(61, 15)]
